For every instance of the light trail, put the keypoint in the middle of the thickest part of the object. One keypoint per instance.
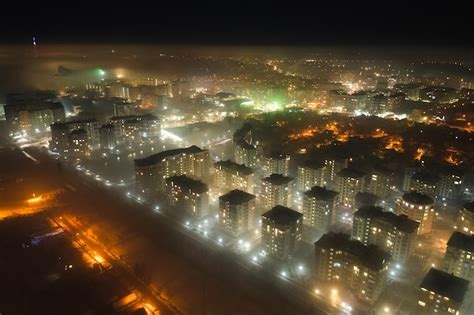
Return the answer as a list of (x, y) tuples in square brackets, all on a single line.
[(30, 157)]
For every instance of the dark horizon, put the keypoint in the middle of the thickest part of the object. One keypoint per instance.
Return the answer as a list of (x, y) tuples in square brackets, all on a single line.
[(330, 26)]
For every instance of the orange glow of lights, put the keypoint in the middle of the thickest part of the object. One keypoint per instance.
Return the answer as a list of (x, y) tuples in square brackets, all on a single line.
[(35, 199), (420, 152)]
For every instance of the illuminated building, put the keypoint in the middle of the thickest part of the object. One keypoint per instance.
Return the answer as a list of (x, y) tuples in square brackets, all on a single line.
[(230, 175), (91, 126), (319, 208), (360, 267), (332, 166), (439, 94), (59, 138), (281, 231), (417, 207), (276, 163), (350, 102), (123, 107), (152, 171), (441, 293), (459, 256), (377, 104), (411, 90), (245, 153), (276, 190), (78, 143), (189, 195), (379, 182), (349, 183), (425, 183), (137, 127), (450, 185), (237, 212), (465, 219), (395, 234), (309, 174), (395, 101), (32, 113), (108, 136)]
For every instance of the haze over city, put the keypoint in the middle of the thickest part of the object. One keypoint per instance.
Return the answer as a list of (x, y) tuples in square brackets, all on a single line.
[(237, 164)]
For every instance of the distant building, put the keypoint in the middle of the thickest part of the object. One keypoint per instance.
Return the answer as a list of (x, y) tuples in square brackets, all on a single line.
[(276, 190), (152, 171), (465, 219), (459, 256), (377, 104), (108, 138), (417, 207), (450, 185), (332, 166), (319, 208), (441, 293), (32, 113), (425, 183), (122, 107), (137, 127), (309, 174), (281, 231), (395, 234), (189, 195), (276, 163), (245, 153), (237, 212), (349, 183), (360, 267), (91, 126), (379, 182), (229, 175)]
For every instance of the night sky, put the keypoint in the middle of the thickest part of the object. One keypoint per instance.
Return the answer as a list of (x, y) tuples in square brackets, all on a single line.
[(382, 23)]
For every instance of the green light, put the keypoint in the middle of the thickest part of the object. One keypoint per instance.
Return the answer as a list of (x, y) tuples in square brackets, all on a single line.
[(101, 72)]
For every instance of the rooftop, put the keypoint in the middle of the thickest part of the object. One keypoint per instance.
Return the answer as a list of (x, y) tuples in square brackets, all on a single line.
[(228, 164), (370, 256), (401, 222), (321, 193), (236, 196), (158, 157), (445, 284), (282, 215), (469, 206), (244, 144), (78, 131), (277, 179), (313, 164), (350, 172), (462, 241), (426, 178), (193, 185), (417, 198), (277, 156)]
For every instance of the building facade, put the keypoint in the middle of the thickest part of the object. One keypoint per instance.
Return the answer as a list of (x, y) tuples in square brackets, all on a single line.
[(237, 214), (276, 190), (281, 231), (417, 207), (188, 194), (319, 208)]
